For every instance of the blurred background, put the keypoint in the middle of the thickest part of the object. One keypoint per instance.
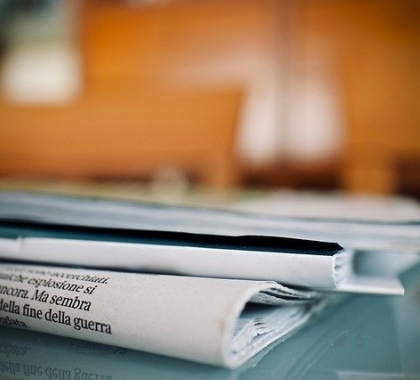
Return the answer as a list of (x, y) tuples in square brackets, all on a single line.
[(299, 94)]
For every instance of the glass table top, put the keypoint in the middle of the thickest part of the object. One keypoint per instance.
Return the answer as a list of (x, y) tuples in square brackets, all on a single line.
[(363, 337)]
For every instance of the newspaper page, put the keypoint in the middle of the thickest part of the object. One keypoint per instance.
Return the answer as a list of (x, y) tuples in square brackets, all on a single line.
[(380, 226), (215, 321)]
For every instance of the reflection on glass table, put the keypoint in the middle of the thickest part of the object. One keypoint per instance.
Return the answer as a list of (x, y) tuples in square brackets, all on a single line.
[(363, 337)]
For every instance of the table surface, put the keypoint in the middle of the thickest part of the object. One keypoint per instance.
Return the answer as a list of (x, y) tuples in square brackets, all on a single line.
[(363, 337)]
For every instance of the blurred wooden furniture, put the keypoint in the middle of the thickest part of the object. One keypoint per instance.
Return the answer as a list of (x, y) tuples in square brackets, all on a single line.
[(371, 49), (134, 54), (131, 47), (202, 54), (110, 138), (382, 92)]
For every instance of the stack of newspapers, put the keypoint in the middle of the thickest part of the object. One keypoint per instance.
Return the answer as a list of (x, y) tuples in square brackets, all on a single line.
[(205, 284)]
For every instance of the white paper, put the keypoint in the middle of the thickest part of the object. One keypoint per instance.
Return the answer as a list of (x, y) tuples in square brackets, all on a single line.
[(297, 269), (400, 234), (287, 268), (214, 321), (333, 205), (318, 271)]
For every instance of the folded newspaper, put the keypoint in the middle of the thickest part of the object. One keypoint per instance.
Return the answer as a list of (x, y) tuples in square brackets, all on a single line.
[(209, 284), (216, 321), (102, 233)]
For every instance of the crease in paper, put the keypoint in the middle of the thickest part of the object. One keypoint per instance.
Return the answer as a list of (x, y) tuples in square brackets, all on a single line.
[(216, 321)]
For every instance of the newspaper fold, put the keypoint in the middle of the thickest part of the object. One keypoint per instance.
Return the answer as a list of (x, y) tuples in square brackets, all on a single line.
[(215, 321)]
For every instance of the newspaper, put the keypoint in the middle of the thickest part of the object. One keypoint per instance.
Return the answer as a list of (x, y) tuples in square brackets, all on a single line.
[(387, 234), (215, 321)]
